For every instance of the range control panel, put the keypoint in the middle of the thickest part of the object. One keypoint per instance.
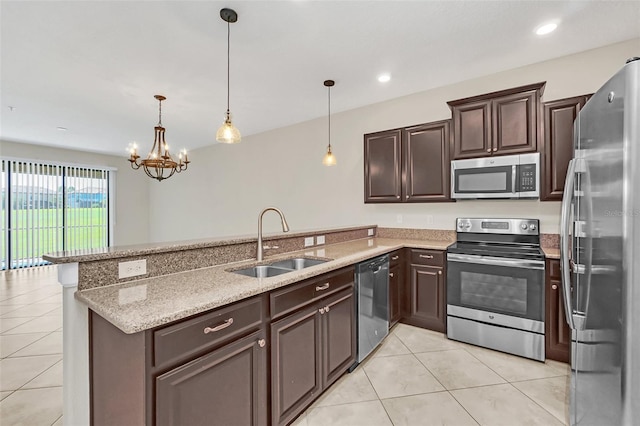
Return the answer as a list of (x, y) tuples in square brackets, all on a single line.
[(499, 226)]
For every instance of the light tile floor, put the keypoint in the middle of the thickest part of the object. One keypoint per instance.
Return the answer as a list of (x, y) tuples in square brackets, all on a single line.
[(416, 377), (30, 347)]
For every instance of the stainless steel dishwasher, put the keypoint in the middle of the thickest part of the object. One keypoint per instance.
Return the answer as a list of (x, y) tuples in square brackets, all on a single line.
[(372, 285)]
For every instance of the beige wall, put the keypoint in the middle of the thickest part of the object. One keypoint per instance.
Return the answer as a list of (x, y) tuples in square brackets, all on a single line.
[(132, 188), (227, 186)]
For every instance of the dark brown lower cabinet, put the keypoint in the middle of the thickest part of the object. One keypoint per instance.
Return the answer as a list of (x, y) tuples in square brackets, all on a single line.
[(310, 350), (557, 331), (427, 297), (396, 287), (191, 394)]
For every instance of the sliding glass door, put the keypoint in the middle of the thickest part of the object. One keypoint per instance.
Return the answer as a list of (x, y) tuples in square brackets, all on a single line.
[(51, 207)]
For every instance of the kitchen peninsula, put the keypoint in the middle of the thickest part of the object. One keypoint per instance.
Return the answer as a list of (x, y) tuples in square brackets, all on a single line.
[(187, 281)]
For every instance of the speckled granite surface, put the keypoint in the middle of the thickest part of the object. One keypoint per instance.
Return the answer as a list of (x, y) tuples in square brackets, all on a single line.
[(146, 249), (146, 303), (418, 234), (551, 253), (100, 270)]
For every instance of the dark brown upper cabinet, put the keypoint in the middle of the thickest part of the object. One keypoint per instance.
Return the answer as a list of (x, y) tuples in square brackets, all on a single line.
[(557, 147), (497, 123), (383, 167), (426, 164), (408, 165)]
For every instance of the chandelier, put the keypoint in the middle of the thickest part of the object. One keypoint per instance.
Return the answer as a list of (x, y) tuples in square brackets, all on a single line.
[(159, 163)]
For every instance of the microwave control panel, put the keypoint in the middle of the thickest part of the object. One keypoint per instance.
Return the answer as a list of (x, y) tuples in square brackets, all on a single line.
[(527, 178)]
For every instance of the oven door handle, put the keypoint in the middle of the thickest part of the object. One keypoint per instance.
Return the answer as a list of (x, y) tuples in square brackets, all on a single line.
[(496, 261)]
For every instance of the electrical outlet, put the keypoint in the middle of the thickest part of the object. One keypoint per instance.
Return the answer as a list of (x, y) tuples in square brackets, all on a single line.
[(132, 268), (308, 241), (320, 239), (429, 219), (370, 232), (399, 218)]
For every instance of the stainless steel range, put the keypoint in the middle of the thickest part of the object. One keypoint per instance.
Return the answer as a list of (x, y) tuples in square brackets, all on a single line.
[(495, 286)]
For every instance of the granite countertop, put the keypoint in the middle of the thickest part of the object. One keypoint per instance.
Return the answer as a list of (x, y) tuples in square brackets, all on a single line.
[(551, 253), (143, 304), (153, 248)]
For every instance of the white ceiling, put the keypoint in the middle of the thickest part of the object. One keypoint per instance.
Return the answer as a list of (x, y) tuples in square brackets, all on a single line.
[(94, 66)]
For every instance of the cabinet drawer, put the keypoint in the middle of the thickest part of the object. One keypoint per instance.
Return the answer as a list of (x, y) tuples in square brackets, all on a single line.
[(295, 296), (554, 269), (427, 257), (194, 336)]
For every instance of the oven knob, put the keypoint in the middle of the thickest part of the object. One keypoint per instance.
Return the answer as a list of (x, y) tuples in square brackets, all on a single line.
[(532, 227), (523, 226)]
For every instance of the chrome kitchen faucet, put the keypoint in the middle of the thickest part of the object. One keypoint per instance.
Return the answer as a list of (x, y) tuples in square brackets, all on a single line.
[(285, 228)]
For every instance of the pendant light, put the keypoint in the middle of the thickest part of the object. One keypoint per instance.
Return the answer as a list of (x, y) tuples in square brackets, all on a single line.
[(159, 163), (329, 159), (228, 133)]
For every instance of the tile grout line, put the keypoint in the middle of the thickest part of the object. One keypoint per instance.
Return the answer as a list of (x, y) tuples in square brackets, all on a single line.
[(536, 402)]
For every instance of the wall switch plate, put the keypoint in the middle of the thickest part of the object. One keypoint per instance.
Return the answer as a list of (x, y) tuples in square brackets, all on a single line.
[(370, 232), (320, 239), (308, 241), (132, 268)]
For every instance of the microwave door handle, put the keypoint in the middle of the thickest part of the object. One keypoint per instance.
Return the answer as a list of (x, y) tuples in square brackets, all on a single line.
[(514, 170), (565, 224)]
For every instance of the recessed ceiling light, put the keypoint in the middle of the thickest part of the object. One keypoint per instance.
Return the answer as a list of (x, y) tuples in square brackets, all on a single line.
[(62, 129), (383, 78), (546, 28)]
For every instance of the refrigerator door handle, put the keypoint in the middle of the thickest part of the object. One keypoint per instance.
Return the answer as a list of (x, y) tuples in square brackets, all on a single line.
[(565, 225)]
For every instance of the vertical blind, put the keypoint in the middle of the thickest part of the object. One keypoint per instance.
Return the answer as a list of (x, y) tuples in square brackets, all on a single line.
[(51, 207)]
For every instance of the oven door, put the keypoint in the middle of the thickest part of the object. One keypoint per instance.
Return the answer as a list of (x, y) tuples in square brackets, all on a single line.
[(510, 289)]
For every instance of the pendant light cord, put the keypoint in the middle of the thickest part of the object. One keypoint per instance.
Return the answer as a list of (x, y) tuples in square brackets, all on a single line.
[(160, 112), (228, 60), (329, 117)]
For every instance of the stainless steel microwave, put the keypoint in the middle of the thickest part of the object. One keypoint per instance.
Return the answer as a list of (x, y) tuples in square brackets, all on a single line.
[(509, 176)]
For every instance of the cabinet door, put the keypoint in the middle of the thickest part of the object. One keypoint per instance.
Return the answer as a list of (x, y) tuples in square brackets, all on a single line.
[(338, 335), (426, 162), (427, 306), (191, 394), (557, 332), (515, 123), (558, 144), (295, 364), (382, 167), (471, 129)]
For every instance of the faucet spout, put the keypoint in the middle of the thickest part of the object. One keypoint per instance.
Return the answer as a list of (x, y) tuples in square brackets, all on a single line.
[(285, 228)]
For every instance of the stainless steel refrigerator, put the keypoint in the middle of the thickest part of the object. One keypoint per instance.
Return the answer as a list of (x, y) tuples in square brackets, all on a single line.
[(600, 254)]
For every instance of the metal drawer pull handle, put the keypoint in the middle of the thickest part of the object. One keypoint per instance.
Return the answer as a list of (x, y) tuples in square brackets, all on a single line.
[(395, 257), (555, 287), (391, 274), (321, 310), (322, 287), (426, 256), (261, 343), (222, 326)]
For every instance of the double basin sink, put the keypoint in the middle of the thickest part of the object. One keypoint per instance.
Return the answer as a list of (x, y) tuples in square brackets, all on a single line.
[(279, 267)]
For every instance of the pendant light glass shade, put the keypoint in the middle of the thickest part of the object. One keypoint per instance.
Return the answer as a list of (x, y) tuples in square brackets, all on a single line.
[(228, 133), (329, 159)]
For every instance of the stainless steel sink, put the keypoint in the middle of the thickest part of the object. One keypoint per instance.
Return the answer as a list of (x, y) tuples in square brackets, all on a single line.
[(279, 267), (262, 271), (298, 263)]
